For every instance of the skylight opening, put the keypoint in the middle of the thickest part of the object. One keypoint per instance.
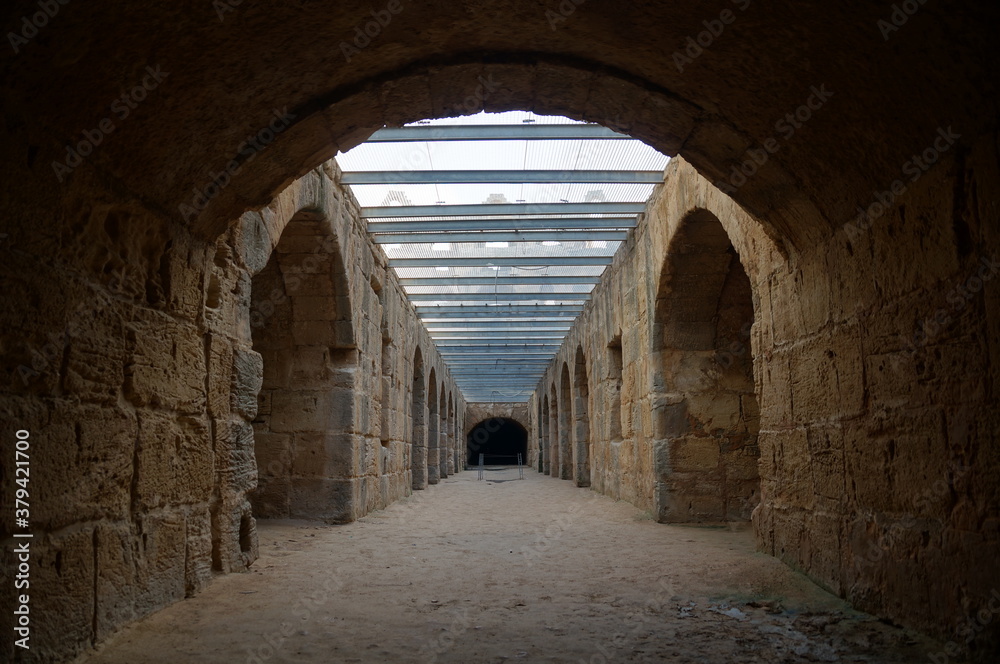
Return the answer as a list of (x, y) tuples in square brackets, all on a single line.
[(499, 227)]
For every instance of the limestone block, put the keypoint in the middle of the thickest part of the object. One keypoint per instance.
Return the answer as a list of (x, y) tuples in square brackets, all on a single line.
[(264, 404), (278, 370), (61, 622), (272, 497), (174, 461), (821, 548), (815, 309), (235, 463), (159, 561), (253, 241), (235, 535), (791, 467), (314, 333), (309, 244), (715, 412), (219, 378), (405, 92), (95, 359), (273, 452), (742, 466), (167, 367), (813, 375), (247, 378), (331, 500), (694, 453), (344, 334), (98, 438), (312, 410), (313, 308), (198, 556), (786, 323), (326, 454), (776, 392), (115, 576)]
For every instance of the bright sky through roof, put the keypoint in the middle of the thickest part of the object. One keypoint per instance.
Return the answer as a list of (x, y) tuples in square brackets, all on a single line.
[(503, 271)]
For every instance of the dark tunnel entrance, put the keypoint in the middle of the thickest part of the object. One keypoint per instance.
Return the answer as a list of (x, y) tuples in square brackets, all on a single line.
[(499, 439)]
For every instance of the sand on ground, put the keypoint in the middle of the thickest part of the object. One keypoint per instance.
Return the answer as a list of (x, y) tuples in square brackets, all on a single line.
[(500, 569)]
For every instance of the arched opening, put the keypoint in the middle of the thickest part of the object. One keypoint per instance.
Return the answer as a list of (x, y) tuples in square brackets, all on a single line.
[(389, 375), (581, 418), (566, 426), (543, 436), (433, 431), (500, 440), (418, 418), (454, 462), (298, 308), (554, 434), (709, 419), (433, 62), (444, 436)]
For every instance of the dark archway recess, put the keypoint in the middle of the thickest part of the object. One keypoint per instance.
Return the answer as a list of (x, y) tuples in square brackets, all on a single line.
[(499, 439)]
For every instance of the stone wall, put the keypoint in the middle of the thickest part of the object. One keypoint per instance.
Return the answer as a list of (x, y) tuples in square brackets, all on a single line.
[(874, 382), (136, 352), (337, 338)]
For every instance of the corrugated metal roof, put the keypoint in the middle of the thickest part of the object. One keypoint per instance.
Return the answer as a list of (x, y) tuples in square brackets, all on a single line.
[(459, 313)]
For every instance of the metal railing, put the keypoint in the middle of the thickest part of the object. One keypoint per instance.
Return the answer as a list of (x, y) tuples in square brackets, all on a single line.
[(520, 465)]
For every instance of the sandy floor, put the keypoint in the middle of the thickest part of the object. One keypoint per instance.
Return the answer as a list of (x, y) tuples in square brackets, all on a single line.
[(488, 571)]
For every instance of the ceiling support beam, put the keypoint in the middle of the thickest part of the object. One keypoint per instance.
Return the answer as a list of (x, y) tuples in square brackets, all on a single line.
[(500, 236), (445, 260), (526, 280), (510, 176), (493, 224), (499, 209), (505, 311), (499, 297), (519, 132)]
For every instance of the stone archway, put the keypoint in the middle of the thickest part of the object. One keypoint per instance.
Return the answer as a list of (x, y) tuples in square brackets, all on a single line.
[(418, 419), (433, 431), (499, 440), (298, 302), (544, 453), (555, 435), (709, 419), (567, 426), (581, 419), (297, 108)]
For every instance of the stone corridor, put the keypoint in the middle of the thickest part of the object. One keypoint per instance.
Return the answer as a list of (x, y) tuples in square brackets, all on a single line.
[(772, 351), (476, 572)]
